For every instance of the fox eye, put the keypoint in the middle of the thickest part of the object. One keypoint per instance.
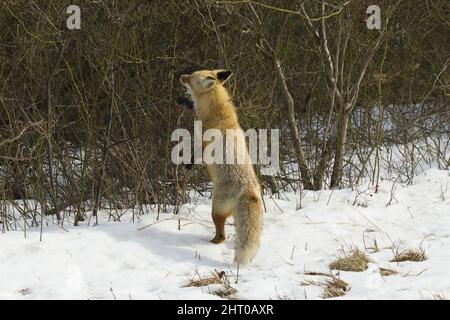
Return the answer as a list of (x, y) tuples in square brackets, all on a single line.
[(210, 78)]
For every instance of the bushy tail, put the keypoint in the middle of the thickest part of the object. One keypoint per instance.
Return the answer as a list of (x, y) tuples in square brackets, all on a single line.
[(248, 222)]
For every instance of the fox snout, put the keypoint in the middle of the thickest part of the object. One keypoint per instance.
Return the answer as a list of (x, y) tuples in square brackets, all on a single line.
[(185, 101)]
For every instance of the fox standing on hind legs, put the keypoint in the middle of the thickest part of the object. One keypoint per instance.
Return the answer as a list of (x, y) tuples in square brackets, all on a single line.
[(236, 189)]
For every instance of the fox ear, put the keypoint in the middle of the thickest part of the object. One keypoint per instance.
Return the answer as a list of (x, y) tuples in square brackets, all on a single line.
[(208, 82), (184, 79), (223, 75)]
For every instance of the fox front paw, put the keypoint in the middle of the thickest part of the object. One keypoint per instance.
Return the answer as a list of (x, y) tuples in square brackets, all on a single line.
[(218, 239)]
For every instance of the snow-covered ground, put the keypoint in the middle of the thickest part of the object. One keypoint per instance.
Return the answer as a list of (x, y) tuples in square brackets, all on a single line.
[(123, 260)]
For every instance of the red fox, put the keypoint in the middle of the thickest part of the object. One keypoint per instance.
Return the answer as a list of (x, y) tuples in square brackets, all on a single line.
[(236, 189)]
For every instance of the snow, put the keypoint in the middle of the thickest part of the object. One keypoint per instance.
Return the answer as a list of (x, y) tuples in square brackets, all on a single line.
[(153, 259)]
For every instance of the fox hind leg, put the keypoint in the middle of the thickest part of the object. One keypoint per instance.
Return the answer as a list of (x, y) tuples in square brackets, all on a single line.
[(219, 222), (223, 205)]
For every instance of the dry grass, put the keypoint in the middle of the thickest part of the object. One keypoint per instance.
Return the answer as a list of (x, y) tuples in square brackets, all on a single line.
[(216, 278), (439, 296), (355, 261), (25, 291), (374, 248), (335, 288), (306, 283), (226, 291), (415, 255), (314, 273), (385, 272), (313, 282)]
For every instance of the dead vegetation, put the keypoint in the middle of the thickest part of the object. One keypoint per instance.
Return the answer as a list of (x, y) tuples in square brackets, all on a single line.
[(335, 287), (219, 278), (372, 248), (305, 283), (386, 272), (439, 296), (314, 273), (413, 254), (355, 261)]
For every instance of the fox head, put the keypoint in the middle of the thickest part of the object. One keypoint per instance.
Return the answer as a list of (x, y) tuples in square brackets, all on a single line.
[(201, 82)]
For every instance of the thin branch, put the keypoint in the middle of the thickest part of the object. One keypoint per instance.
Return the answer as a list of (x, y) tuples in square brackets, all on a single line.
[(283, 10), (21, 133), (305, 175)]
